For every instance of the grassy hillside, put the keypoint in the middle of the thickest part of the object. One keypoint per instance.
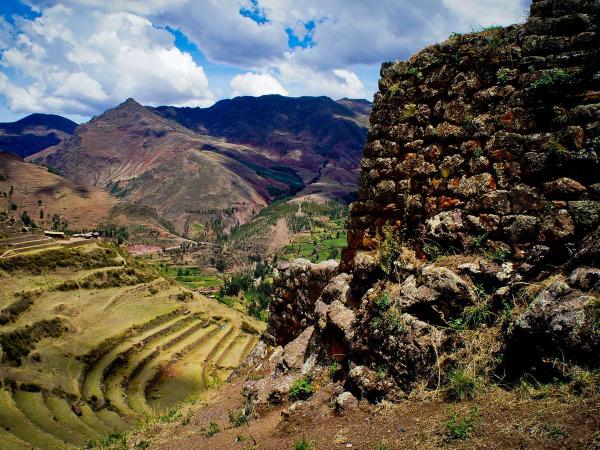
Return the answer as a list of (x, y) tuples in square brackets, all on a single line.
[(92, 338)]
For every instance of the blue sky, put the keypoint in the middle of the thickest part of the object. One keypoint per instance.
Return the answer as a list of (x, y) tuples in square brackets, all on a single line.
[(79, 57)]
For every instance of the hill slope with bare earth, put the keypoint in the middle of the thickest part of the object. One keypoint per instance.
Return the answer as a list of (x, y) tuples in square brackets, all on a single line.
[(33, 189), (144, 158)]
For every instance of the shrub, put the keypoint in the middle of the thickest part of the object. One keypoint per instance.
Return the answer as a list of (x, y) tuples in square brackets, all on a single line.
[(12, 311), (301, 389), (383, 301), (184, 295), (433, 251), (334, 368), (503, 76), (460, 385), (552, 78), (389, 248), (18, 343), (461, 426)]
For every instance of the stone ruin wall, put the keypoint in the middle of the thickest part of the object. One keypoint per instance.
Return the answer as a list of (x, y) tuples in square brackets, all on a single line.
[(490, 136)]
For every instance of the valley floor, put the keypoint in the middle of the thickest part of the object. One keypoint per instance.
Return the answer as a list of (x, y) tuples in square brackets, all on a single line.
[(542, 417)]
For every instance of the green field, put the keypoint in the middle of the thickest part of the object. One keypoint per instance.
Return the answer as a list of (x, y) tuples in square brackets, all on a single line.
[(93, 338), (192, 277)]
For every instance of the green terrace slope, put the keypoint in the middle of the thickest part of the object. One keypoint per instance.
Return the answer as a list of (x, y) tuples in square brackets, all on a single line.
[(91, 339)]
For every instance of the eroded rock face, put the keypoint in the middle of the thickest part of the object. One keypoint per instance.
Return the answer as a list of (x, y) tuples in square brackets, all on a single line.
[(559, 324)]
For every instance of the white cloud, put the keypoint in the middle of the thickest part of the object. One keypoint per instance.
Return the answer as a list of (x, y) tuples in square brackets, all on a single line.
[(82, 62), (478, 13), (6, 32), (82, 56), (256, 84), (336, 83)]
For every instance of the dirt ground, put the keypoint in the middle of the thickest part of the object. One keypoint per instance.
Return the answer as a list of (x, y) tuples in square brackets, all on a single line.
[(499, 419)]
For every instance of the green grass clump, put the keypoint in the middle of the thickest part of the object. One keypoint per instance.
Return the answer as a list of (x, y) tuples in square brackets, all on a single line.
[(552, 78), (170, 416), (554, 432), (388, 321), (393, 90), (460, 385), (303, 444), (212, 429), (462, 426), (114, 441), (473, 316), (476, 242), (556, 148), (497, 254), (433, 251), (301, 389), (238, 418), (409, 111)]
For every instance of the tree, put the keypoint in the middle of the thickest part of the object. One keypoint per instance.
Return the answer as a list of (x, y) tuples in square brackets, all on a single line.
[(27, 220), (121, 235)]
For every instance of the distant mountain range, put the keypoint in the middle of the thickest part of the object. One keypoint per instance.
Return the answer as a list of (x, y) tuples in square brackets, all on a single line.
[(34, 133), (205, 168)]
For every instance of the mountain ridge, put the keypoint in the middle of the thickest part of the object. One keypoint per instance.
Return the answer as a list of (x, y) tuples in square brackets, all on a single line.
[(153, 160), (34, 133)]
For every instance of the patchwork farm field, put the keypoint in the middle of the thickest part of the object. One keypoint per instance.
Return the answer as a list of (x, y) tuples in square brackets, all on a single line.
[(91, 339)]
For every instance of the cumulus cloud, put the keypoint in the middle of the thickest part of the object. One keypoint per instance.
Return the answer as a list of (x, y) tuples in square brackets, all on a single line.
[(82, 56), (256, 84), (69, 65), (304, 80)]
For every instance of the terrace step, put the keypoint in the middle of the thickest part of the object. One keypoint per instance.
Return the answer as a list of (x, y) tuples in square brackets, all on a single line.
[(94, 375), (18, 251), (11, 442), (63, 412), (33, 406), (31, 243), (148, 369), (20, 237), (113, 385), (15, 422)]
